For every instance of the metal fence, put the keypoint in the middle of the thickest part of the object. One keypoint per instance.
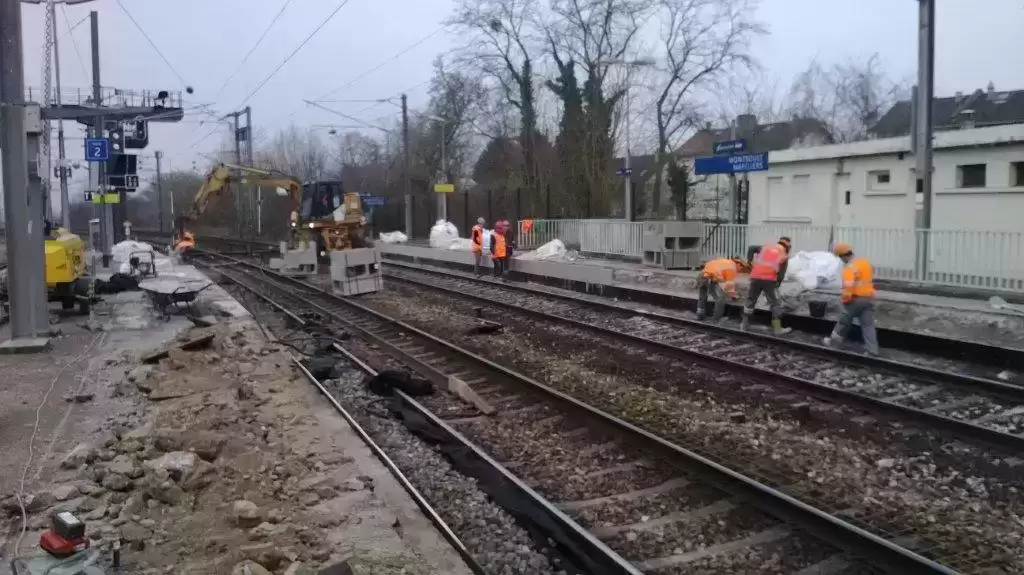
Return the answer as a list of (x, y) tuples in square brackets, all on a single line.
[(960, 258)]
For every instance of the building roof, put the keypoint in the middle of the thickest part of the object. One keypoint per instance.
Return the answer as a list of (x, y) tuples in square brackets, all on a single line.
[(983, 108), (1004, 135), (759, 137)]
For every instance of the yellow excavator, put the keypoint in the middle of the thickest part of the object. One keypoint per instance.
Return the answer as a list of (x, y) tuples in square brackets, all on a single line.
[(322, 213)]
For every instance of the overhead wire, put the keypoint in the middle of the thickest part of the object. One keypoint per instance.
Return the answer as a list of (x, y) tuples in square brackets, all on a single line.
[(259, 41), (274, 72), (74, 41), (151, 43)]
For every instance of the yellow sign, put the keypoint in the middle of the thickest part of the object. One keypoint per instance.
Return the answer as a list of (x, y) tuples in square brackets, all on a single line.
[(114, 198), (444, 188)]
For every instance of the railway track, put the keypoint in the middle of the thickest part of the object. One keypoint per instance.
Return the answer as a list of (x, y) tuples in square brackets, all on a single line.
[(625, 500), (968, 406)]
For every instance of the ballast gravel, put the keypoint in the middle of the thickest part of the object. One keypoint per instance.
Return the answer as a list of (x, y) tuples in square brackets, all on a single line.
[(492, 536)]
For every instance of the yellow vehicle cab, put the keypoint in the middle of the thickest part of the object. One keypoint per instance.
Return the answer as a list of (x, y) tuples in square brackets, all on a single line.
[(65, 266)]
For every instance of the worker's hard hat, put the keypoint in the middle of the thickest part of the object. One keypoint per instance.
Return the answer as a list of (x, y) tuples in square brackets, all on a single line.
[(480, 221), (842, 249)]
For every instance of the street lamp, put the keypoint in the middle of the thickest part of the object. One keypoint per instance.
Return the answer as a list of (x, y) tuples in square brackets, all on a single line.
[(627, 201)]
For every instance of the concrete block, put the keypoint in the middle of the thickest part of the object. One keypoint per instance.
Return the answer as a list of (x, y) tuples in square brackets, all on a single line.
[(356, 271), (25, 345)]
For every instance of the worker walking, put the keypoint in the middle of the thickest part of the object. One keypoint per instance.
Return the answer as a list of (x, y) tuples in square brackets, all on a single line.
[(765, 272), (499, 251), (476, 239), (719, 277), (858, 297)]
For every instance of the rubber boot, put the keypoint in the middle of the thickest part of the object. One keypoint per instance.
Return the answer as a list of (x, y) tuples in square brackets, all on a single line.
[(745, 323), (777, 328), (833, 339)]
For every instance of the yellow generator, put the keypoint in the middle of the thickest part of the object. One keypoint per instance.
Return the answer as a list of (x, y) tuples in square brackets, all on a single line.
[(65, 266)]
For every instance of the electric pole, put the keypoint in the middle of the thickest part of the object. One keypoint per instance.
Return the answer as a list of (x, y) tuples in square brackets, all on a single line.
[(159, 190), (922, 138), (97, 178), (406, 162), (21, 211), (62, 162)]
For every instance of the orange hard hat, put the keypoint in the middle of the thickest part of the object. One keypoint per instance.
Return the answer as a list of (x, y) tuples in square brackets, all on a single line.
[(842, 249)]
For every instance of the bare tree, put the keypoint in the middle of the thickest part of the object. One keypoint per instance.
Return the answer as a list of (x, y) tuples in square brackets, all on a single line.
[(297, 152), (702, 42), (452, 116), (590, 35), (502, 32), (848, 97)]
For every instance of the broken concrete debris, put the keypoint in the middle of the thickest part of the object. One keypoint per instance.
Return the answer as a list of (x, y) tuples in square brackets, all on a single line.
[(213, 478)]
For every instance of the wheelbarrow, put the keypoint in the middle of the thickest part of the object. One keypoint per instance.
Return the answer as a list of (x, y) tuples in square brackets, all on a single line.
[(169, 294)]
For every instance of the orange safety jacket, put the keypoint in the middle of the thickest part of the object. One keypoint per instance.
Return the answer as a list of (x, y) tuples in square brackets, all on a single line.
[(498, 245), (721, 270), (857, 280), (477, 239), (767, 263)]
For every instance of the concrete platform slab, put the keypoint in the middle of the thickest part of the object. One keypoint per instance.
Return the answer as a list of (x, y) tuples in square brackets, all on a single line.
[(945, 316)]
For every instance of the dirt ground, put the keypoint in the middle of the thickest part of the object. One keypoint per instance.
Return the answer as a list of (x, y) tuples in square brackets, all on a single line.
[(224, 459)]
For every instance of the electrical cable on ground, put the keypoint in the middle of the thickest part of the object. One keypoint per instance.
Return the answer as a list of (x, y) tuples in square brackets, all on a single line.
[(151, 43), (20, 494)]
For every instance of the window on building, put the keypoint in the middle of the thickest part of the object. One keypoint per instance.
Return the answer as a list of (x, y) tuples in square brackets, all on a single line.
[(971, 175), (1017, 174), (879, 179)]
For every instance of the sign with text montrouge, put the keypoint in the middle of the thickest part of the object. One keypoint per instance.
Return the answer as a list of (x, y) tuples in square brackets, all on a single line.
[(736, 164)]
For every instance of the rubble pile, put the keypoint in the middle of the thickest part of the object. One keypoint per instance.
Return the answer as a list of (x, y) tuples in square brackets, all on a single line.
[(223, 474)]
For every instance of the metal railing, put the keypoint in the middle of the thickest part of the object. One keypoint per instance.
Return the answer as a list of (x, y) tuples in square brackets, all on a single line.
[(959, 258)]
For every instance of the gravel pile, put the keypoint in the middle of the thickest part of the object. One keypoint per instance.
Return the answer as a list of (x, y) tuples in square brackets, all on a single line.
[(953, 508)]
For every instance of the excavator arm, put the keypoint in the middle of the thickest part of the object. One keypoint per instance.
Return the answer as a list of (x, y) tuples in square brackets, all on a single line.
[(225, 174)]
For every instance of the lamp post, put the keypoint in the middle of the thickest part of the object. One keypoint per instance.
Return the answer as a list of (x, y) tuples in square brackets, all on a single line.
[(627, 176), (442, 202)]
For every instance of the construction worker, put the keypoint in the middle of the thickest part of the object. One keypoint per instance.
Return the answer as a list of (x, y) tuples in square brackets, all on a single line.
[(858, 297), (476, 239), (499, 250), (764, 279), (718, 277)]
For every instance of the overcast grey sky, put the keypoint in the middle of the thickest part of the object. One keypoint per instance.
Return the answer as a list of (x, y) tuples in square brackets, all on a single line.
[(205, 40)]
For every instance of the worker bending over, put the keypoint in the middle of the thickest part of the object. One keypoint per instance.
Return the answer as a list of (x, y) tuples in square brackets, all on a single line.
[(858, 299), (476, 239), (765, 277), (719, 277)]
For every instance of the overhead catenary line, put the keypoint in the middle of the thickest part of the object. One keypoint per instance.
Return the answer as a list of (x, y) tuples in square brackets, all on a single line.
[(259, 41), (151, 43), (74, 41), (274, 72)]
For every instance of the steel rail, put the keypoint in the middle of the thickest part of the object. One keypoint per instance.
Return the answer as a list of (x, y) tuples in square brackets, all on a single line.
[(857, 540), (407, 485), (598, 554), (819, 390), (833, 354)]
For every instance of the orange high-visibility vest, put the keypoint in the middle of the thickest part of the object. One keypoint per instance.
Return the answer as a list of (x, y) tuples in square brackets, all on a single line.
[(527, 226), (499, 245), (721, 270), (857, 279), (477, 239), (767, 263)]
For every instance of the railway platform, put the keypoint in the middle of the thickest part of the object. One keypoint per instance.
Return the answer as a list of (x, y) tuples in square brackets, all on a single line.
[(272, 474), (898, 312)]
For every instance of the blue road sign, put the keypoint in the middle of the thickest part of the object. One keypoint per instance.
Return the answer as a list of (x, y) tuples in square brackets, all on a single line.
[(730, 147), (97, 149), (624, 171), (730, 164), (373, 201)]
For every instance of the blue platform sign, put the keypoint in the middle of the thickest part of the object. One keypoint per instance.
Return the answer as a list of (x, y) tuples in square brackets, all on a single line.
[(97, 149), (730, 164), (374, 201), (730, 147)]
